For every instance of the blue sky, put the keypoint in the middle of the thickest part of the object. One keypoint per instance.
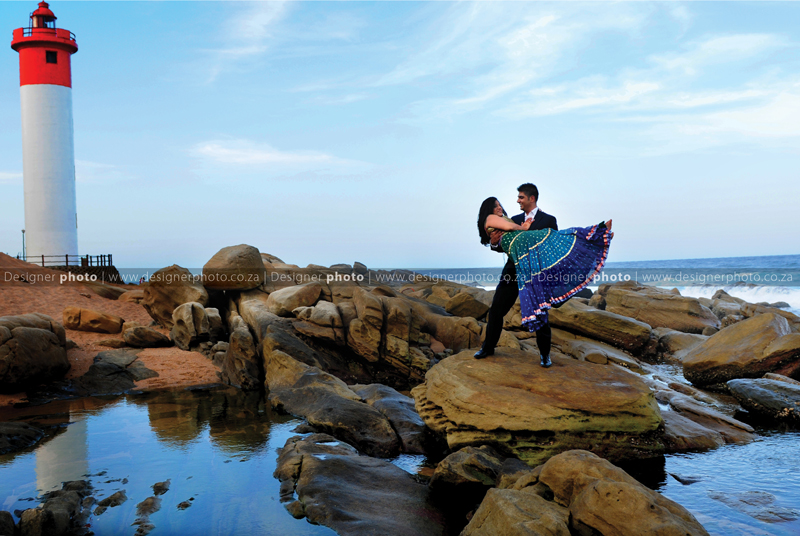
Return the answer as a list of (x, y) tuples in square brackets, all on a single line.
[(327, 132)]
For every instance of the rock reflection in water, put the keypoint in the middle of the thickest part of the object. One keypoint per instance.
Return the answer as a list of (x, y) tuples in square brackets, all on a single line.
[(134, 442), (238, 422)]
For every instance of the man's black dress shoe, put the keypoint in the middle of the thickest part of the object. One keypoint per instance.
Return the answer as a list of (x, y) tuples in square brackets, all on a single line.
[(483, 352)]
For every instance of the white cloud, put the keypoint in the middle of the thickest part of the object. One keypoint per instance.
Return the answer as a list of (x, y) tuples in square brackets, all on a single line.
[(10, 176), (717, 50), (245, 35), (265, 157), (580, 98)]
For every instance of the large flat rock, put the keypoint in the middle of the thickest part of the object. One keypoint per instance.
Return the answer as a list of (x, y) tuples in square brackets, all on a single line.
[(748, 349), (774, 398), (510, 402), (330, 484)]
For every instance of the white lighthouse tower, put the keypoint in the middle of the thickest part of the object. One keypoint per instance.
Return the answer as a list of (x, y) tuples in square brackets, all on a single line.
[(48, 153)]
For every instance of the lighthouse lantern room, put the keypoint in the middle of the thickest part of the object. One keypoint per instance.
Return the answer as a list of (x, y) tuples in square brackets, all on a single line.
[(48, 153)]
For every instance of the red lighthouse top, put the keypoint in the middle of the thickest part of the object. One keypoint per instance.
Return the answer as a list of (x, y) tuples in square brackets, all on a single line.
[(44, 50)]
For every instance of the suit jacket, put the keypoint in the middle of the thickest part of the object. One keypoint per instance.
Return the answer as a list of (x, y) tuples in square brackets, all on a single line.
[(542, 220)]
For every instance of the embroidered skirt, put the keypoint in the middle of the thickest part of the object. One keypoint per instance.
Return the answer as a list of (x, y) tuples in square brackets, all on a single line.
[(554, 265)]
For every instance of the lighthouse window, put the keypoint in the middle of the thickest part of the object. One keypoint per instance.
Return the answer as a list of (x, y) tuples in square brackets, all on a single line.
[(51, 56)]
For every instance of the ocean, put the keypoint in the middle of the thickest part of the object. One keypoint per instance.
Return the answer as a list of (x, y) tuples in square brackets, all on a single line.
[(769, 279)]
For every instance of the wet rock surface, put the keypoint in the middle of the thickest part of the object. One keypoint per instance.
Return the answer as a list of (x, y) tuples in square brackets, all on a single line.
[(330, 484), (59, 514), (401, 413), (773, 398), (16, 436)]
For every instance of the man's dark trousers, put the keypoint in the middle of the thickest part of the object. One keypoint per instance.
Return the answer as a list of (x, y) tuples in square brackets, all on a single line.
[(506, 293)]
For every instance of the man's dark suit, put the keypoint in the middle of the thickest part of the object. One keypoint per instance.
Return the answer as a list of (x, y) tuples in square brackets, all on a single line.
[(507, 292)]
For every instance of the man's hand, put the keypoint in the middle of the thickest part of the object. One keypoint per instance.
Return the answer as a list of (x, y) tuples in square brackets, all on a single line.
[(495, 236), (527, 223)]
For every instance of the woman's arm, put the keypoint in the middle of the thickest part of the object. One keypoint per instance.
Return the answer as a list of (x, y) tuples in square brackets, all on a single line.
[(502, 224)]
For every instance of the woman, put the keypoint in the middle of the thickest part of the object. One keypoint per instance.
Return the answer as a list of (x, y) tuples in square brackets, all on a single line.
[(551, 265)]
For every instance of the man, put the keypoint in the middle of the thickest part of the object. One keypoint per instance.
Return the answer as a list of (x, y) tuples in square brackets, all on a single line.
[(507, 292)]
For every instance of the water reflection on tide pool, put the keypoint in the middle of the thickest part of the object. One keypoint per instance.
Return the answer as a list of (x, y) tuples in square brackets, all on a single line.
[(735, 490), (217, 448)]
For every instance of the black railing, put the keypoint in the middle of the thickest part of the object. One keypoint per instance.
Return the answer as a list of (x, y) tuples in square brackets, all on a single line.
[(29, 31), (84, 261)]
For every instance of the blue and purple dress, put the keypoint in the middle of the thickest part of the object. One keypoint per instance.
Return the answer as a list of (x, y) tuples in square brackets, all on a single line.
[(554, 265)]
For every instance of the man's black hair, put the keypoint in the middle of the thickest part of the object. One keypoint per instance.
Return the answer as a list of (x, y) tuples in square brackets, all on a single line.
[(530, 190)]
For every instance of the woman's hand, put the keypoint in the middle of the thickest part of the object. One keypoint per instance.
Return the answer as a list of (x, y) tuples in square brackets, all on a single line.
[(526, 224)]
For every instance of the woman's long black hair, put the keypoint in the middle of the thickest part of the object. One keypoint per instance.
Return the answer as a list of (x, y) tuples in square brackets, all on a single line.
[(487, 208)]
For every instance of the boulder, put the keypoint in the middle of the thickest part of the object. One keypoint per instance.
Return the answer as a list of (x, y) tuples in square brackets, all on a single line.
[(585, 349), (605, 326), (466, 475), (399, 410), (323, 321), (132, 296), (16, 436), (242, 364), (604, 499), (747, 349), (7, 527), (325, 401), (509, 402), (190, 325), (59, 514), (168, 288), (282, 302), (329, 406), (328, 483), (659, 308), (780, 378), (731, 430), (32, 351), (509, 512), (234, 268), (143, 337), (89, 320), (677, 344), (772, 398), (682, 434), (463, 304)]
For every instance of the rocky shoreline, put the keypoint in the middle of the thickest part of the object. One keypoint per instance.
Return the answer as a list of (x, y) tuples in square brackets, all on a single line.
[(378, 370)]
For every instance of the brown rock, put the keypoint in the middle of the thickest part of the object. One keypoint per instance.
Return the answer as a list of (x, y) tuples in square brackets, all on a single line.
[(241, 365), (399, 410), (660, 308), (510, 402), (143, 337), (605, 326), (604, 499), (190, 325), (462, 304), (234, 268), (32, 351), (132, 296), (282, 302), (167, 289), (745, 350), (88, 320), (510, 512)]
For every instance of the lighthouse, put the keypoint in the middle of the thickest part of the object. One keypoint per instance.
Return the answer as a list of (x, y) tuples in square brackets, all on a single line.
[(48, 152)]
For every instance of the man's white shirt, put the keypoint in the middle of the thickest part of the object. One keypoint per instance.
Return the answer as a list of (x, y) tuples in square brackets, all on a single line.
[(531, 214)]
